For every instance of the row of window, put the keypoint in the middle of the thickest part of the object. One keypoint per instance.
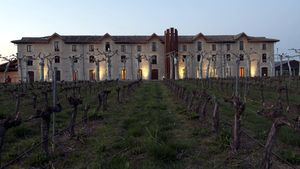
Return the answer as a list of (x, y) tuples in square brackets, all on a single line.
[(228, 46), (91, 59), (153, 59), (228, 57), (92, 47), (153, 47)]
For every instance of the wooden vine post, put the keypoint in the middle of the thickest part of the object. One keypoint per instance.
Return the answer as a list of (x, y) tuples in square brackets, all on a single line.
[(239, 107)]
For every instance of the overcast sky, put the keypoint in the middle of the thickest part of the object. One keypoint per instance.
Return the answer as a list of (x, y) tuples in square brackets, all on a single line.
[(278, 19)]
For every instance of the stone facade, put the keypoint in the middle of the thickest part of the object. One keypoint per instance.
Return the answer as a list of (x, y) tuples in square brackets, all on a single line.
[(217, 51)]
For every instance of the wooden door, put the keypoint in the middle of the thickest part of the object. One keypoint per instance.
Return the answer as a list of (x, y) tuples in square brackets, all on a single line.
[(154, 74)]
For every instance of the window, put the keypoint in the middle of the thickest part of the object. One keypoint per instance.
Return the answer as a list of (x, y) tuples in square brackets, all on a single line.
[(57, 75), (213, 47), (123, 58), (228, 46), (264, 46), (92, 59), (92, 75), (264, 71), (56, 46), (123, 74), (228, 57), (91, 48), (213, 58), (183, 58), (241, 45), (184, 48), (107, 46), (74, 48), (56, 59), (29, 49), (198, 58), (123, 48), (199, 46), (139, 48), (29, 61), (264, 57), (241, 57), (154, 59), (153, 46), (242, 72)]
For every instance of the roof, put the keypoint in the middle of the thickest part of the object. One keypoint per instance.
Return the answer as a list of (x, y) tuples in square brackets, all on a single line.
[(136, 39), (13, 67)]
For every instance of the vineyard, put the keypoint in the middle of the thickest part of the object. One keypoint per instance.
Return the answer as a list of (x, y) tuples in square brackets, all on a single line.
[(212, 123)]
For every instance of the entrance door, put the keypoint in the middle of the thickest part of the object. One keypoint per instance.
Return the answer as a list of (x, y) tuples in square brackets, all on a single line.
[(31, 76), (123, 74), (154, 74), (264, 71)]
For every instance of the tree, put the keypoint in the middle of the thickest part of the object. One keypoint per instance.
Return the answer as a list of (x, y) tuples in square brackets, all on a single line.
[(73, 59), (297, 51), (108, 54), (42, 58)]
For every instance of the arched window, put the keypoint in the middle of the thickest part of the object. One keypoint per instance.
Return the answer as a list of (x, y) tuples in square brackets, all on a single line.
[(264, 57), (92, 59), (57, 59)]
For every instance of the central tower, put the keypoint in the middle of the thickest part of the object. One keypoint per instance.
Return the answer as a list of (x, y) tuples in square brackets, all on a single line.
[(171, 52)]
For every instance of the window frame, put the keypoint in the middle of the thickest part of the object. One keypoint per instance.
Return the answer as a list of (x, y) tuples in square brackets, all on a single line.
[(56, 58), (29, 48), (153, 47)]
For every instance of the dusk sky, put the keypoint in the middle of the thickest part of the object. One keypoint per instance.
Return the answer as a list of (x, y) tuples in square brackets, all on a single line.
[(271, 18)]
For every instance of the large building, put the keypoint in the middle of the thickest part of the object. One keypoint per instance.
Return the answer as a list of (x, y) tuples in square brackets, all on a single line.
[(146, 57)]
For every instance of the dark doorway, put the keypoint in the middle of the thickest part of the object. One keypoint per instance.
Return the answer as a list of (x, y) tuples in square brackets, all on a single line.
[(57, 75), (154, 74), (264, 71), (31, 76)]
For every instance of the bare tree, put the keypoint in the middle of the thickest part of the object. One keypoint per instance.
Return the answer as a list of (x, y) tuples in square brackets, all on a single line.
[(297, 51), (108, 55), (41, 57), (73, 60), (97, 60)]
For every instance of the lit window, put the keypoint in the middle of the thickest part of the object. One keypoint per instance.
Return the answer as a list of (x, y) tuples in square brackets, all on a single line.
[(242, 72)]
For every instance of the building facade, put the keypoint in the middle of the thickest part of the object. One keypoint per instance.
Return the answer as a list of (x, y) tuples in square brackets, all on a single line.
[(133, 57)]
